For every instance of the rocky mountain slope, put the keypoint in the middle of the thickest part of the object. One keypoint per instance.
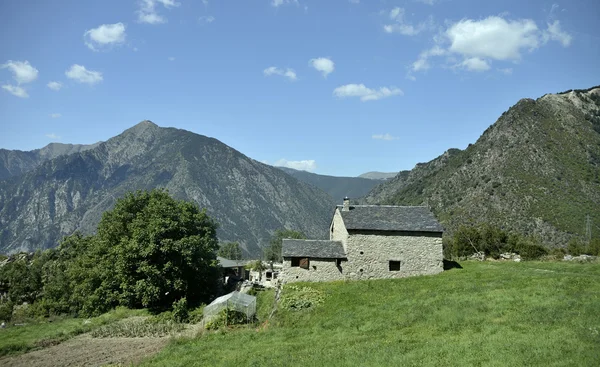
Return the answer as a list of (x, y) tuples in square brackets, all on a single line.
[(17, 162), (535, 171), (250, 200), (378, 175), (336, 187)]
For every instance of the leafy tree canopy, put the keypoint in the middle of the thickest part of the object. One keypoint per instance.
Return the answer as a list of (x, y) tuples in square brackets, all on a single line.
[(230, 250)]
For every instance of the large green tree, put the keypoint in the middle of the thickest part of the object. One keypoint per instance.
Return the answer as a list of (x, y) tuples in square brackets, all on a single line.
[(149, 251), (273, 251)]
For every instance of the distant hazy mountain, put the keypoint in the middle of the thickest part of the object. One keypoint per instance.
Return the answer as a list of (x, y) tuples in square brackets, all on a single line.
[(378, 175), (336, 187), (250, 200), (16, 162), (535, 171)]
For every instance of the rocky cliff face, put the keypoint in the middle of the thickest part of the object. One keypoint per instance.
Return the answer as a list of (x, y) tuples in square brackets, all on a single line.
[(535, 171), (250, 200)]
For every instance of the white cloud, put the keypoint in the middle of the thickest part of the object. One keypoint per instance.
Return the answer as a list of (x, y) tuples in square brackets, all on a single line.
[(427, 2), (403, 27), (206, 19), (22, 71), (387, 137), (147, 12), (493, 37), (81, 75), (53, 136), (55, 115), (105, 35), (506, 71), (16, 90), (323, 64), (422, 62), (475, 64), (273, 70), (205, 2), (171, 58), (278, 3), (305, 165), (479, 42), (554, 33), (364, 93), (54, 86)]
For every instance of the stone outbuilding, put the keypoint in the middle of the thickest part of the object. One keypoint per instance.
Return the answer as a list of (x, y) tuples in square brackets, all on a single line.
[(368, 242)]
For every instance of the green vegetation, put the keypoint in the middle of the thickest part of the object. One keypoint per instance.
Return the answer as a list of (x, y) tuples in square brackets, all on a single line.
[(230, 250), (488, 313), (273, 251), (491, 241), (40, 334), (150, 251)]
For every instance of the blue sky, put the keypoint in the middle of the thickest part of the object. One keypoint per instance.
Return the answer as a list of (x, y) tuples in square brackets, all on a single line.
[(336, 87)]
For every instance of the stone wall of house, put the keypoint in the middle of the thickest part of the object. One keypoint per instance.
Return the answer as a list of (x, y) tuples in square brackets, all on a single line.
[(319, 270), (369, 255), (337, 231)]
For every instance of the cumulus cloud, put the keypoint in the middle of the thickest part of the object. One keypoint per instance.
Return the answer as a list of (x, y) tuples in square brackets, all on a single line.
[(55, 115), (387, 137), (479, 42), (104, 36), (22, 71), (147, 12), (305, 165), (81, 75), (273, 70), (475, 64), (206, 19), (323, 64), (364, 93), (53, 136), (403, 27), (54, 86), (16, 90)]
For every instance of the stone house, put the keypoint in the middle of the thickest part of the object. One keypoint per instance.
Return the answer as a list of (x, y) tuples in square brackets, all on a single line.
[(368, 242)]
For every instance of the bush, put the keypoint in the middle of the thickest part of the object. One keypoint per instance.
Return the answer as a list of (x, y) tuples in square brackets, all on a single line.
[(180, 311), (531, 251), (575, 247), (6, 310), (196, 314), (295, 298)]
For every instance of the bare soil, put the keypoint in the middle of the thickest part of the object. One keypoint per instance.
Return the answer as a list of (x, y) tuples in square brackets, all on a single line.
[(87, 351)]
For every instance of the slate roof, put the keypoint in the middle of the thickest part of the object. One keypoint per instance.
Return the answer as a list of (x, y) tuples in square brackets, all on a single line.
[(227, 263), (313, 248), (390, 218)]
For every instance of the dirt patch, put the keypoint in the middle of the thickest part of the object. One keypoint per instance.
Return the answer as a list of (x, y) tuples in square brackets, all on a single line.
[(87, 351)]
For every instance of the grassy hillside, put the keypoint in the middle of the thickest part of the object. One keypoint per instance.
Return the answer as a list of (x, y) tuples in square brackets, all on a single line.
[(488, 313)]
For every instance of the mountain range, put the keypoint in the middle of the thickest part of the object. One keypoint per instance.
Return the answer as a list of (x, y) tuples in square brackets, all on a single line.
[(49, 193), (535, 171)]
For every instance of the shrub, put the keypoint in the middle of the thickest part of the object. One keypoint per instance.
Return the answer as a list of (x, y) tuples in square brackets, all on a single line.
[(6, 310), (575, 247), (196, 314), (531, 251), (295, 298), (180, 311)]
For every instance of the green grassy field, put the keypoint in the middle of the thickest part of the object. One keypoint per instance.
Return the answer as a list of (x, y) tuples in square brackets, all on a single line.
[(40, 334), (488, 313)]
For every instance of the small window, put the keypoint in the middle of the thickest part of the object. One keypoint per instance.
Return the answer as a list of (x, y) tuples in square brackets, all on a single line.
[(304, 263), (394, 265), (301, 262), (361, 253)]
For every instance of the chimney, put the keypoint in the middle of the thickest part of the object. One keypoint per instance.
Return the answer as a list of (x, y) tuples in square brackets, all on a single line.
[(346, 206)]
